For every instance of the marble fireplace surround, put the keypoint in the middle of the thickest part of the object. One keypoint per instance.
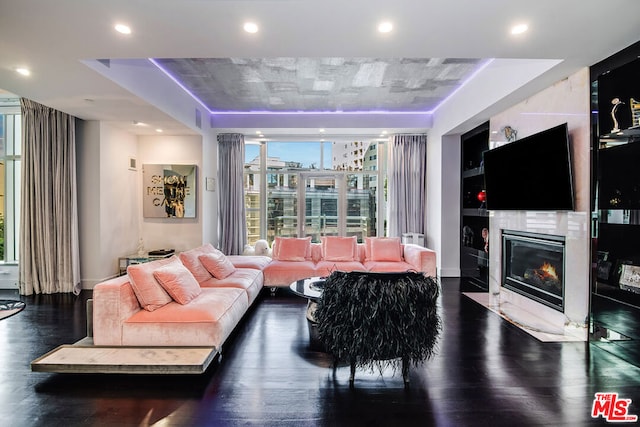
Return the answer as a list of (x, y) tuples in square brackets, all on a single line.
[(527, 312)]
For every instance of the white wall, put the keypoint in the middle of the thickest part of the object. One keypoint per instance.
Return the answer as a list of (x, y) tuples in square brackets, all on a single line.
[(107, 199), (110, 197), (210, 198)]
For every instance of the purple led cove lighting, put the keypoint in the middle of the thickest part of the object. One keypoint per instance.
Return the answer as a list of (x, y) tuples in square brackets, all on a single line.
[(311, 113), (176, 81), (463, 84), (191, 94)]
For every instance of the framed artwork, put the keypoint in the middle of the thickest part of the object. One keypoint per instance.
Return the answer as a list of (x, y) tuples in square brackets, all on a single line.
[(169, 191), (616, 274), (630, 278)]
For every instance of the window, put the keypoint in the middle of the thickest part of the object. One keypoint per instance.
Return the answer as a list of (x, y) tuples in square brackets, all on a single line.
[(10, 169), (252, 191), (308, 192)]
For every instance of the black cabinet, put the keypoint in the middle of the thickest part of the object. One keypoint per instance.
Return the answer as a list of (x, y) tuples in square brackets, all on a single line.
[(474, 232), (615, 279)]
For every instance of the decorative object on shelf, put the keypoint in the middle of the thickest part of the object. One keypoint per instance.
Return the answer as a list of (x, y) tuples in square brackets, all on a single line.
[(467, 236), (377, 320), (161, 252), (635, 113), (630, 278), (604, 266), (509, 133), (169, 191), (140, 247), (485, 238), (616, 104), (482, 196)]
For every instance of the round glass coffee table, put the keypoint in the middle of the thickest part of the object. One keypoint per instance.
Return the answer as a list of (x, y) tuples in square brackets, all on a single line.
[(311, 289), (10, 307)]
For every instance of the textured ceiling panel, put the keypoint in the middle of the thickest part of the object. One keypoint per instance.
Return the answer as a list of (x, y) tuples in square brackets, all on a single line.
[(320, 84)]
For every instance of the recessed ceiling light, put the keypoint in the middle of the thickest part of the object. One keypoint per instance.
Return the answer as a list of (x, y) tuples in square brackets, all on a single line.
[(519, 29), (123, 29), (159, 130), (23, 71), (258, 132), (250, 27), (320, 130), (385, 27)]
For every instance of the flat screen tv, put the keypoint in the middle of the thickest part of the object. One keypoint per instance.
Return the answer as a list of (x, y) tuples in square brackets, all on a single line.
[(532, 173)]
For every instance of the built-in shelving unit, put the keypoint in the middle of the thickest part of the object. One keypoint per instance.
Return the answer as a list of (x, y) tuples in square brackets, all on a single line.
[(615, 300), (474, 232)]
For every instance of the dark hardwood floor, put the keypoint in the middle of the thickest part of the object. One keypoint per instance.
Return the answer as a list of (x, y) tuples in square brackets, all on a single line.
[(487, 373)]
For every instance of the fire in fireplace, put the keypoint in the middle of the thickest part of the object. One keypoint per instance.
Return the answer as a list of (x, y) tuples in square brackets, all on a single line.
[(533, 266)]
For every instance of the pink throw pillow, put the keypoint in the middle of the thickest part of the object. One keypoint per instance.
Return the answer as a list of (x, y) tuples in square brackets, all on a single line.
[(151, 295), (178, 281), (292, 248), (335, 248), (386, 249), (190, 260), (217, 264)]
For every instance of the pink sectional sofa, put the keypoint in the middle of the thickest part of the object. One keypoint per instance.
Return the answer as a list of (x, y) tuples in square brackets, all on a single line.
[(298, 258), (136, 310), (198, 297)]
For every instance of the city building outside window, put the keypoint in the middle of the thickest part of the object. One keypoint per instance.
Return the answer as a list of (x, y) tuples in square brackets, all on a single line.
[(299, 189)]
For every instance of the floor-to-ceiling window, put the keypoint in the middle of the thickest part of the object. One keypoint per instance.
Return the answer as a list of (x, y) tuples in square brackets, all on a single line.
[(316, 189), (10, 152)]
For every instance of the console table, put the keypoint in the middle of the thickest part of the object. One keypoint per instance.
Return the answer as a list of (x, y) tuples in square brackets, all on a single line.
[(125, 261)]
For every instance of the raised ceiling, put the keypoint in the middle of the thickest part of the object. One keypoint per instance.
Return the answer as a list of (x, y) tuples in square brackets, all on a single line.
[(320, 84)]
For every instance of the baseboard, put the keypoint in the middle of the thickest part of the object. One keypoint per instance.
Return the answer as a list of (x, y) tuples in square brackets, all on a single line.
[(449, 272)]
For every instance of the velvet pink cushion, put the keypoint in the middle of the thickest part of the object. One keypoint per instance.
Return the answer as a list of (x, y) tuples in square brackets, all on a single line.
[(386, 249), (151, 295), (292, 249), (335, 248), (178, 282), (190, 260), (217, 264)]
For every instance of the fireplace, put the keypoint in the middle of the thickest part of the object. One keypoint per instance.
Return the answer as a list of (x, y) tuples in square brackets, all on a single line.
[(533, 266)]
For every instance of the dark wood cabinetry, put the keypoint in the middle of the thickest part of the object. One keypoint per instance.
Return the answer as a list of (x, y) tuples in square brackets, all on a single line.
[(474, 232)]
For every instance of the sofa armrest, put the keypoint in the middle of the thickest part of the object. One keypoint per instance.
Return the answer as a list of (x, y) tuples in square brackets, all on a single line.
[(423, 259), (113, 303)]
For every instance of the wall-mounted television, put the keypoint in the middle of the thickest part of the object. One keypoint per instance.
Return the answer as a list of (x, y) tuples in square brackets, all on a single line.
[(533, 173)]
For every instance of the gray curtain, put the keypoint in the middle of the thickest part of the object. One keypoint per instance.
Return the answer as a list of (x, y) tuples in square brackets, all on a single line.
[(407, 184), (232, 225), (49, 256)]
